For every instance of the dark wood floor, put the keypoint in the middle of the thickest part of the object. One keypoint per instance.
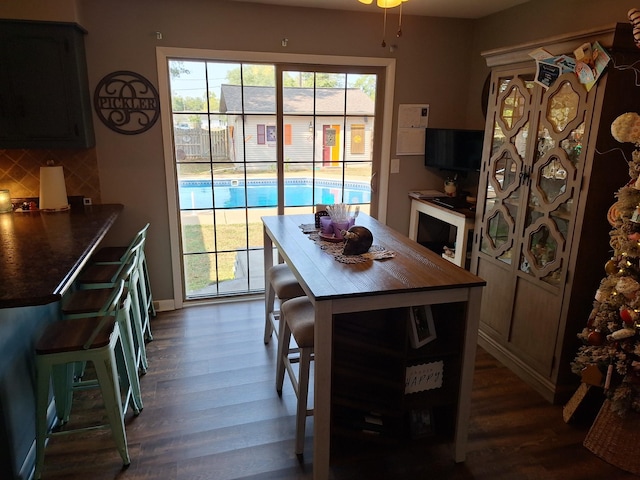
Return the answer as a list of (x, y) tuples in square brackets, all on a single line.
[(211, 412)]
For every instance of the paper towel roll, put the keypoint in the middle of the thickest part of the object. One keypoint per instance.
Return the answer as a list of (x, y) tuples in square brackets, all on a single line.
[(5, 201), (53, 191)]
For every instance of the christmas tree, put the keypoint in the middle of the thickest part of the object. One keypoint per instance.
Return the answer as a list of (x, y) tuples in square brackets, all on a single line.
[(610, 356)]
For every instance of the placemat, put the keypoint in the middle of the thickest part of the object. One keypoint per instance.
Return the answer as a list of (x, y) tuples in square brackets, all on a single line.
[(376, 252)]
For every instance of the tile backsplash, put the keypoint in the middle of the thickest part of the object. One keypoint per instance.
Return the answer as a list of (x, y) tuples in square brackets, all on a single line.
[(20, 171)]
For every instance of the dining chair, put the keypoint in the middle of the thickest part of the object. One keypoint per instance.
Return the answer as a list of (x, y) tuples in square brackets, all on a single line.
[(67, 342), (298, 318)]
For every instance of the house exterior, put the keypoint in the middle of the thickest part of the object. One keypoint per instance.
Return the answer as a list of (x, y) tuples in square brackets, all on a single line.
[(319, 132)]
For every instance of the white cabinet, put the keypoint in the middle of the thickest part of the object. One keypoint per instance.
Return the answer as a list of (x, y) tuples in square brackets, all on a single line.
[(435, 226)]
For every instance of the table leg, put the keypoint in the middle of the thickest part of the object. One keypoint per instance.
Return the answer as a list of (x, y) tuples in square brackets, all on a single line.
[(323, 335), (466, 379)]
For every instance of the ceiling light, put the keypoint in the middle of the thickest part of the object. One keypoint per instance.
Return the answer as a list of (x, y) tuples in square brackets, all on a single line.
[(385, 5)]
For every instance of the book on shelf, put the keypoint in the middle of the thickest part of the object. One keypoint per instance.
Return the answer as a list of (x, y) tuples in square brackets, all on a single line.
[(422, 194)]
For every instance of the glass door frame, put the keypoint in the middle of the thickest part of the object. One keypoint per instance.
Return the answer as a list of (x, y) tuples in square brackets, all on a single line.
[(380, 181)]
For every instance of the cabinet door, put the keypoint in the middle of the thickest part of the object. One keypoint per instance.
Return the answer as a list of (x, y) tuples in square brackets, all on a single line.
[(44, 99), (501, 188), (553, 179)]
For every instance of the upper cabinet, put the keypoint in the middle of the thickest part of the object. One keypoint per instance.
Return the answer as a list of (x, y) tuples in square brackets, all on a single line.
[(44, 94), (550, 172)]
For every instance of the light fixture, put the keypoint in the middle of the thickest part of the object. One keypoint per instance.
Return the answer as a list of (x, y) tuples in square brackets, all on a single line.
[(385, 5)]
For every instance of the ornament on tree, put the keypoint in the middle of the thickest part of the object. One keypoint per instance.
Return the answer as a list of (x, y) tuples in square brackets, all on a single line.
[(634, 18)]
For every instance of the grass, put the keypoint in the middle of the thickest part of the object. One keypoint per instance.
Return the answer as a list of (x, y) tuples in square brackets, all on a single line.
[(200, 269)]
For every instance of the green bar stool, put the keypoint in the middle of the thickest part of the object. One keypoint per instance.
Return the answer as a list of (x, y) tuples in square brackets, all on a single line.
[(90, 303), (100, 276), (117, 254), (66, 342), (298, 317), (281, 283)]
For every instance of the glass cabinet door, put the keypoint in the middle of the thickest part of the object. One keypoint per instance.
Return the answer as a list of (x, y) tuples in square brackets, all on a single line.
[(553, 179), (508, 145)]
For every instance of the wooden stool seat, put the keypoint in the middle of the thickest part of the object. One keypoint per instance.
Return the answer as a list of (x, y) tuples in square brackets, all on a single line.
[(70, 335), (298, 319)]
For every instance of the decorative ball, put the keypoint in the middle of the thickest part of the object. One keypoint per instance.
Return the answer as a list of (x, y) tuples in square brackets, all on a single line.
[(359, 240), (595, 338), (628, 316), (611, 267)]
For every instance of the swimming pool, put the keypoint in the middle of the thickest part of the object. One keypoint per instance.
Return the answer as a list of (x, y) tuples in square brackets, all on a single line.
[(199, 194)]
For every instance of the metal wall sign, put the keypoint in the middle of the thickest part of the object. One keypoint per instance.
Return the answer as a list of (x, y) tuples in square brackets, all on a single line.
[(126, 102)]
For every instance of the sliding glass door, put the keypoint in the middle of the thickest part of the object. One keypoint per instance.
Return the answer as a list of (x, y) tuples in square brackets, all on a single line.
[(252, 139)]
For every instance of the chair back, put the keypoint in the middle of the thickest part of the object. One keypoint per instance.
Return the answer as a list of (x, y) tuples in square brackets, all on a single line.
[(109, 310), (141, 236)]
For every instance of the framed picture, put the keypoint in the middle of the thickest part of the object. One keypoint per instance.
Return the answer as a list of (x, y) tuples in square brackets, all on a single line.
[(421, 423), (422, 328)]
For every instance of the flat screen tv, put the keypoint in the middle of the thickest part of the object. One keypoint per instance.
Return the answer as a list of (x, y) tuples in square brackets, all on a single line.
[(453, 149)]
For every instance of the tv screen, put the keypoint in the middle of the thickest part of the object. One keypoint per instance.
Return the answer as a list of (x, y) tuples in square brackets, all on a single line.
[(452, 149)]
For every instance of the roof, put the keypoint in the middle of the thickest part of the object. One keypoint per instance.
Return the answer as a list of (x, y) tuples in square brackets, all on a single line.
[(297, 100)]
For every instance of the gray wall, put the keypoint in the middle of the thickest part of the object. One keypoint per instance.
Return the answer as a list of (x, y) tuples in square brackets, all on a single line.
[(438, 62)]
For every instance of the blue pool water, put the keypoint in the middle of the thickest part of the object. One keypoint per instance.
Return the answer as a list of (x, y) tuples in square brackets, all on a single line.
[(197, 194)]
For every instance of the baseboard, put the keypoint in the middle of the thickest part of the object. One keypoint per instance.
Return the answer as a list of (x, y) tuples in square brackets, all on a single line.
[(532, 378), (164, 305)]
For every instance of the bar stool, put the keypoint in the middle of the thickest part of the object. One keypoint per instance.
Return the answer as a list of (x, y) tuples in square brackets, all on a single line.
[(88, 303), (107, 255), (298, 318), (66, 342), (100, 276), (281, 282)]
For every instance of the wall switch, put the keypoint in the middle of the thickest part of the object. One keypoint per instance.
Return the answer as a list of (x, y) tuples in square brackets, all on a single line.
[(395, 165)]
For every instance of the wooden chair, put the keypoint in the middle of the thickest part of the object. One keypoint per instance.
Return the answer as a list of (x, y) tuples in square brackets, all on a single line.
[(59, 348), (298, 318)]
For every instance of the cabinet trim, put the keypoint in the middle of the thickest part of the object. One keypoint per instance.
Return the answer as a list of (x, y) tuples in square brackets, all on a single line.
[(556, 45)]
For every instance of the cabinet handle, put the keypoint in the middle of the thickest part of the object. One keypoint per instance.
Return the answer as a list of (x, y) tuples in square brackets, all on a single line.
[(525, 175)]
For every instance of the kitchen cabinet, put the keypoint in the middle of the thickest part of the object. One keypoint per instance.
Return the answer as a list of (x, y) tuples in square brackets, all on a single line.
[(44, 93), (549, 174)]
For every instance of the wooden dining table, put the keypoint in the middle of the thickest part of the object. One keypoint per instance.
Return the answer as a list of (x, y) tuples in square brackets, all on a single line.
[(413, 276)]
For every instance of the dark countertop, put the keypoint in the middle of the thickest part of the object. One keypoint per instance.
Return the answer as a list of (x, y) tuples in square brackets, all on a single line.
[(42, 252)]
